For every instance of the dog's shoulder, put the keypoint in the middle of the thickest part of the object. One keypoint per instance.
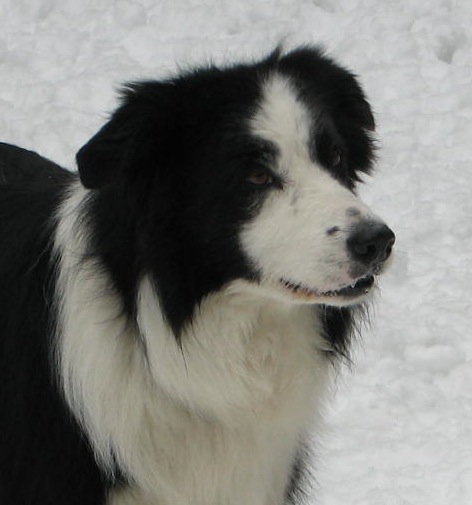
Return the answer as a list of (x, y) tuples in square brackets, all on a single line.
[(31, 188), (19, 166)]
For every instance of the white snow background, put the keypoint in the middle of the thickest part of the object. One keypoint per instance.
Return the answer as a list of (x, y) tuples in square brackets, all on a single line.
[(400, 427)]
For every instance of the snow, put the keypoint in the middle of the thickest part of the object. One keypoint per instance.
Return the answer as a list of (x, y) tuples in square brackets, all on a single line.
[(399, 431)]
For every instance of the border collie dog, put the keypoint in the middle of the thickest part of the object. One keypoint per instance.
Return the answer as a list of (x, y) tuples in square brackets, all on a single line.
[(170, 316)]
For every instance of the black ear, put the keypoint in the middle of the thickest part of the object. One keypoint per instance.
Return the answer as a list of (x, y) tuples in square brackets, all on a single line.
[(132, 130), (365, 115), (106, 154)]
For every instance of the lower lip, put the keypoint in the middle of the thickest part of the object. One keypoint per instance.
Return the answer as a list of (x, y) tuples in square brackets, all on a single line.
[(356, 290)]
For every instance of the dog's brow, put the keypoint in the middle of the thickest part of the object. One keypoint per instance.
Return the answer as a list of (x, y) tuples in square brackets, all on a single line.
[(264, 150)]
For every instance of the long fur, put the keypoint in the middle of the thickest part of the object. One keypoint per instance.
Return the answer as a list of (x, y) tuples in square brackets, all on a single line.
[(169, 321)]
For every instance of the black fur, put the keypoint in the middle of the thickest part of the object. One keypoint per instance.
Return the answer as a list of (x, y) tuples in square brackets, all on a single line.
[(43, 457), (181, 140), (189, 135)]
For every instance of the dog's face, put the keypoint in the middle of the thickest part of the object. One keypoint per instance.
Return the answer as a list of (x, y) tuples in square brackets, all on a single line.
[(246, 173), (312, 239)]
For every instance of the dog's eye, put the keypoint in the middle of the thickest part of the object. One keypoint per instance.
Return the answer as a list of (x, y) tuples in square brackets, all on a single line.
[(260, 177), (336, 158)]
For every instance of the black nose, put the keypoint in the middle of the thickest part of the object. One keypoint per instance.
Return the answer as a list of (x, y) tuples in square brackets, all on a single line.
[(371, 243)]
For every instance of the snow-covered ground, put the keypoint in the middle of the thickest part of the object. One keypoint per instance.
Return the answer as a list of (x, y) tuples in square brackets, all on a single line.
[(400, 428)]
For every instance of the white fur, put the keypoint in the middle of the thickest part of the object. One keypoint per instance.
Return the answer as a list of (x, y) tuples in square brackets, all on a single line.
[(218, 419)]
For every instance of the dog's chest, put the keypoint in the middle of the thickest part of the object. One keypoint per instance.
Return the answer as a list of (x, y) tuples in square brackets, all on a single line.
[(257, 398), (213, 420)]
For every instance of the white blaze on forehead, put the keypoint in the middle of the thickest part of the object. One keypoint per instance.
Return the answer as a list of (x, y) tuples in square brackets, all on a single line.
[(282, 118)]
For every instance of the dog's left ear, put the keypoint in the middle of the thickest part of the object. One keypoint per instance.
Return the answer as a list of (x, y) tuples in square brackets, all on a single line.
[(105, 156), (364, 113)]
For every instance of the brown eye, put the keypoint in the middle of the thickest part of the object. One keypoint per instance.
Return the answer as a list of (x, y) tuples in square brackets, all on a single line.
[(260, 177), (336, 157)]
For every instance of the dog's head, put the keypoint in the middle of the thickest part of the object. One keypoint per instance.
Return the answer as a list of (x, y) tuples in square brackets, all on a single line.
[(246, 173)]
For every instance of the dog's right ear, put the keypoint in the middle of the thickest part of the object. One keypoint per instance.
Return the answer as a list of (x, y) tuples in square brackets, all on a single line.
[(106, 154)]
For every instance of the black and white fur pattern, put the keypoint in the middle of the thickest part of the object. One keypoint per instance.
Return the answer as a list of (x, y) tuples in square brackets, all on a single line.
[(170, 321)]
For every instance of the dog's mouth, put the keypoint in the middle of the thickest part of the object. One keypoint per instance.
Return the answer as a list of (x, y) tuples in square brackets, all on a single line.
[(357, 289)]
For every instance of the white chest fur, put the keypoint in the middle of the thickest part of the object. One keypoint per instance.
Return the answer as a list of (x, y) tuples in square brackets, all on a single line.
[(215, 420), (241, 386)]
